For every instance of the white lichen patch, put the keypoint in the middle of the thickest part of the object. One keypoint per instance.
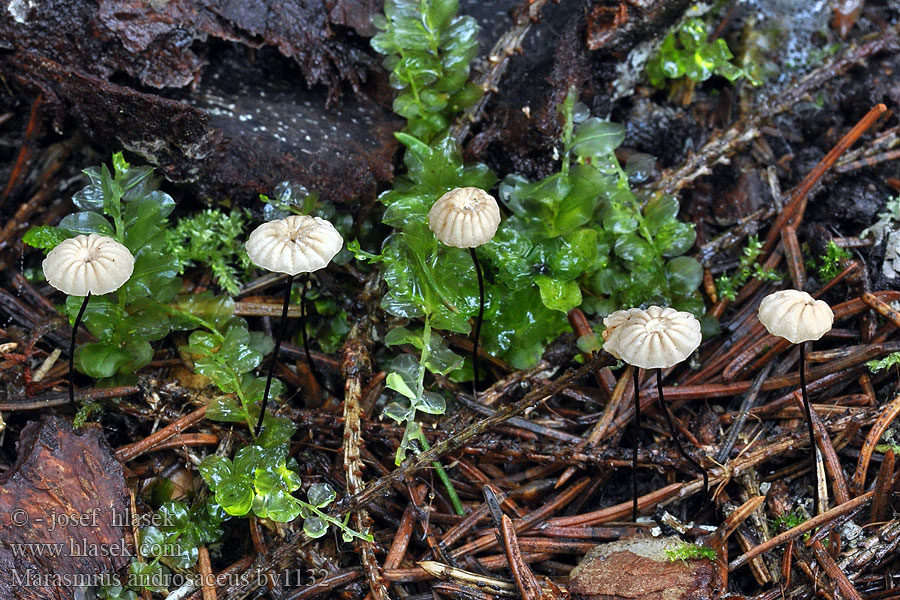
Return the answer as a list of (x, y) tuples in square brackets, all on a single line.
[(19, 9), (887, 229), (891, 266)]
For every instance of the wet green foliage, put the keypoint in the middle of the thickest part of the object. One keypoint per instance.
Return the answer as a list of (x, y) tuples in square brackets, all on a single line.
[(427, 48), (891, 437), (788, 520), (583, 228), (407, 377), (326, 323), (580, 237), (216, 240), (227, 352), (687, 53), (727, 286), (115, 591), (180, 531), (262, 479)]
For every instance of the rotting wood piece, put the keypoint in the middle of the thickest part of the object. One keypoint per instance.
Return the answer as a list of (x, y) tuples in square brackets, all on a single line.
[(639, 569), (212, 137), (155, 42), (65, 495)]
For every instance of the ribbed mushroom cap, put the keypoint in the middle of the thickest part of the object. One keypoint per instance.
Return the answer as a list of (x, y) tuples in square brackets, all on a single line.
[(795, 316), (654, 338), (464, 217), (296, 244), (88, 263)]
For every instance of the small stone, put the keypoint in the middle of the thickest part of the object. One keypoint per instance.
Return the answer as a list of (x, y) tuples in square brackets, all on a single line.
[(638, 569)]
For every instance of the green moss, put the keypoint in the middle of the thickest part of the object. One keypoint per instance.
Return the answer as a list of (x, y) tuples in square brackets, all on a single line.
[(727, 286), (687, 551)]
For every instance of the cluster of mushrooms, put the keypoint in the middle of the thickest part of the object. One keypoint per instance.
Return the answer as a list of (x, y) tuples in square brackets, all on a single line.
[(652, 338), (659, 338), (93, 264)]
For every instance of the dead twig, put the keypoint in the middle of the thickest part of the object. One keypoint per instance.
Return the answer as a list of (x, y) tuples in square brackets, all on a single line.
[(130, 451), (208, 587), (806, 526), (356, 366), (884, 484), (886, 417), (460, 439), (834, 572)]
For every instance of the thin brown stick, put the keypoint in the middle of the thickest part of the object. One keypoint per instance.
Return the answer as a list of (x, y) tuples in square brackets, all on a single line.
[(525, 580), (357, 365), (793, 257), (793, 210), (738, 516), (806, 526), (832, 463), (401, 539), (33, 131), (884, 420), (834, 572), (326, 584), (491, 563), (884, 484), (883, 308), (60, 399), (207, 582), (130, 451), (188, 439)]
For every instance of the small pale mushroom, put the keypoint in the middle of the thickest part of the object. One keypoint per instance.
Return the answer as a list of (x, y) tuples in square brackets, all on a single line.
[(294, 245), (85, 265), (652, 338), (799, 318), (467, 217)]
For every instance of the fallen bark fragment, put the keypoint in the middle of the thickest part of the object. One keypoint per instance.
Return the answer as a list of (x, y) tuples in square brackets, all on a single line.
[(64, 516), (639, 569)]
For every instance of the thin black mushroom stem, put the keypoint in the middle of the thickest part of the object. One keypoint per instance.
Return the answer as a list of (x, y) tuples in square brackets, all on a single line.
[(813, 459), (665, 409), (75, 325), (282, 326), (653, 338), (305, 338), (467, 217), (635, 443), (477, 334)]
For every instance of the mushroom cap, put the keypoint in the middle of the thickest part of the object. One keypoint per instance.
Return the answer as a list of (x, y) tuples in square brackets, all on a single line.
[(296, 244), (464, 217), (795, 316), (654, 338), (86, 264)]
